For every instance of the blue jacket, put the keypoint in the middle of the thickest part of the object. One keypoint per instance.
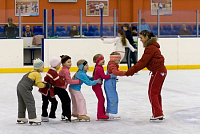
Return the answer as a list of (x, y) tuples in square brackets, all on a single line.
[(84, 79)]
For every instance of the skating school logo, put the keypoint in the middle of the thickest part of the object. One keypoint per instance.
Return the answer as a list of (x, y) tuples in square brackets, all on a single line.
[(163, 74)]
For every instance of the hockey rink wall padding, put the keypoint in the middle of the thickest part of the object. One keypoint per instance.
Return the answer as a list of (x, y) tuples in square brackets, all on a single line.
[(179, 53)]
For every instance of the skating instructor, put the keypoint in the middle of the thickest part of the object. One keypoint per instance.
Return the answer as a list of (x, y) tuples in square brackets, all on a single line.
[(154, 62)]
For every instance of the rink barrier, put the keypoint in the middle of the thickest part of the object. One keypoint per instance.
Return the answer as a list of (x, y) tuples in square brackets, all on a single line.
[(74, 69), (179, 53)]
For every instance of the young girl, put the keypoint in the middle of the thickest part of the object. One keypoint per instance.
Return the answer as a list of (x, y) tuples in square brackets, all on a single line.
[(61, 90), (48, 93), (120, 43), (24, 93), (153, 61), (99, 73), (78, 101), (110, 85)]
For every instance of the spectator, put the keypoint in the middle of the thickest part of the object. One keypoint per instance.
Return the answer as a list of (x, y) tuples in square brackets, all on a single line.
[(27, 32), (10, 29), (144, 26), (134, 31), (184, 31), (73, 31)]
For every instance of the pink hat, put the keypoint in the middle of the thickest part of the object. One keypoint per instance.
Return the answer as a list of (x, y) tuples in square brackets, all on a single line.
[(55, 61), (115, 57)]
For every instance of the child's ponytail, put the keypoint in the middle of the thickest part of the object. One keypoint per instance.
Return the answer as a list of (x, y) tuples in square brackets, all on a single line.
[(120, 31)]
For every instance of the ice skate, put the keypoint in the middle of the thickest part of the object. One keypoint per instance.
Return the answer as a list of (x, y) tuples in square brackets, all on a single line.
[(83, 117), (114, 116), (44, 119), (22, 120), (34, 121), (63, 117), (159, 118), (75, 115), (102, 118), (52, 116)]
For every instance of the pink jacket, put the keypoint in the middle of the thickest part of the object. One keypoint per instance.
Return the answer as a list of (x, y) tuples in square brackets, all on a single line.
[(64, 73), (99, 73)]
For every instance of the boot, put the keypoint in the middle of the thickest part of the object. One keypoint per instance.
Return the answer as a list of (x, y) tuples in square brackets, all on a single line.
[(157, 118), (114, 116), (83, 117), (22, 120), (52, 115), (102, 117), (35, 120), (44, 119), (75, 115)]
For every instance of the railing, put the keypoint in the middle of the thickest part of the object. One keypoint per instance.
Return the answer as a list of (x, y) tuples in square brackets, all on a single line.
[(59, 23)]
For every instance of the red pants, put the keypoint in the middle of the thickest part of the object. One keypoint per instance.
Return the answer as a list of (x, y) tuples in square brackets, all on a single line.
[(155, 87), (98, 91)]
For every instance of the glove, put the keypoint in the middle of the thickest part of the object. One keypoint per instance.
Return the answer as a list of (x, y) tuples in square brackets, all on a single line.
[(113, 76), (48, 85), (99, 81)]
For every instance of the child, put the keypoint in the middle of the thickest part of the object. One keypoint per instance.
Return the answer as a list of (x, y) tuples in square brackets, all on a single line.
[(61, 90), (24, 93), (78, 101), (99, 73), (120, 43), (153, 60), (110, 85), (48, 93)]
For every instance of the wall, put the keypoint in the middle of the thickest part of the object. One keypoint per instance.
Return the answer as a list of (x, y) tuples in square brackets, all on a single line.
[(128, 10)]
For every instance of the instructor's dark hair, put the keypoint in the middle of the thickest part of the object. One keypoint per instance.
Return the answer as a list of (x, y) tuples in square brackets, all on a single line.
[(147, 33)]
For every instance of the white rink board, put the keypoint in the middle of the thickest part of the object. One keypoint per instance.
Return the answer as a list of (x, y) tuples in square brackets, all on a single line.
[(177, 51), (11, 55), (77, 49)]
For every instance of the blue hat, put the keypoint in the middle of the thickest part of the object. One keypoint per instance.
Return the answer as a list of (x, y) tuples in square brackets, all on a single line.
[(37, 63)]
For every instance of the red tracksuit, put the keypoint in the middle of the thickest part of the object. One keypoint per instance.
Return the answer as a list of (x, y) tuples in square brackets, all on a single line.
[(99, 73), (153, 61)]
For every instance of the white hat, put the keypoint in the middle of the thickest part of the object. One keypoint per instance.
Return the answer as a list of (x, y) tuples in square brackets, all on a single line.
[(55, 61), (37, 63)]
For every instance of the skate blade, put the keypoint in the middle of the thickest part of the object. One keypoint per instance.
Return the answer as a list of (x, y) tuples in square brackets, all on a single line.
[(83, 120), (114, 118), (157, 120), (34, 123), (21, 122), (102, 119)]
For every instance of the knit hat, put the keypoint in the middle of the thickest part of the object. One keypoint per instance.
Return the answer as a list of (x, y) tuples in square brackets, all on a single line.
[(115, 57), (99, 59), (37, 63), (55, 61)]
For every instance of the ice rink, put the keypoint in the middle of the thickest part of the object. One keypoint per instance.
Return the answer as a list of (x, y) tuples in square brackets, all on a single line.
[(181, 106)]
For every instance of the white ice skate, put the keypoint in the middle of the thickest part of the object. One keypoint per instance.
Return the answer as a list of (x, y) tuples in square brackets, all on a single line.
[(44, 119), (63, 117), (113, 116), (22, 120), (35, 121), (159, 118)]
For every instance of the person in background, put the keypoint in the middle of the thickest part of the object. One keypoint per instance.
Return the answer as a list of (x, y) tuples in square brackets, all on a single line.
[(134, 31), (144, 26), (131, 56), (184, 31), (10, 29), (27, 32), (73, 31)]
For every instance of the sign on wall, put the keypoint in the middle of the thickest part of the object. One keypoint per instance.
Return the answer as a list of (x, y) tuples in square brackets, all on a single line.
[(93, 7), (164, 7), (27, 7)]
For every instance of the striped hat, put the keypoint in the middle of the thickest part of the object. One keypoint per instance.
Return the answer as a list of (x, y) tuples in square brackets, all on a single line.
[(115, 57)]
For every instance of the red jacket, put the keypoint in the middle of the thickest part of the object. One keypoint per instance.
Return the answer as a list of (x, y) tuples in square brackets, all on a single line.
[(113, 68), (99, 73), (151, 59), (52, 78)]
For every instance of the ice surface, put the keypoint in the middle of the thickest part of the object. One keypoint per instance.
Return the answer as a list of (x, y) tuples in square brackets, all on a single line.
[(181, 106)]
